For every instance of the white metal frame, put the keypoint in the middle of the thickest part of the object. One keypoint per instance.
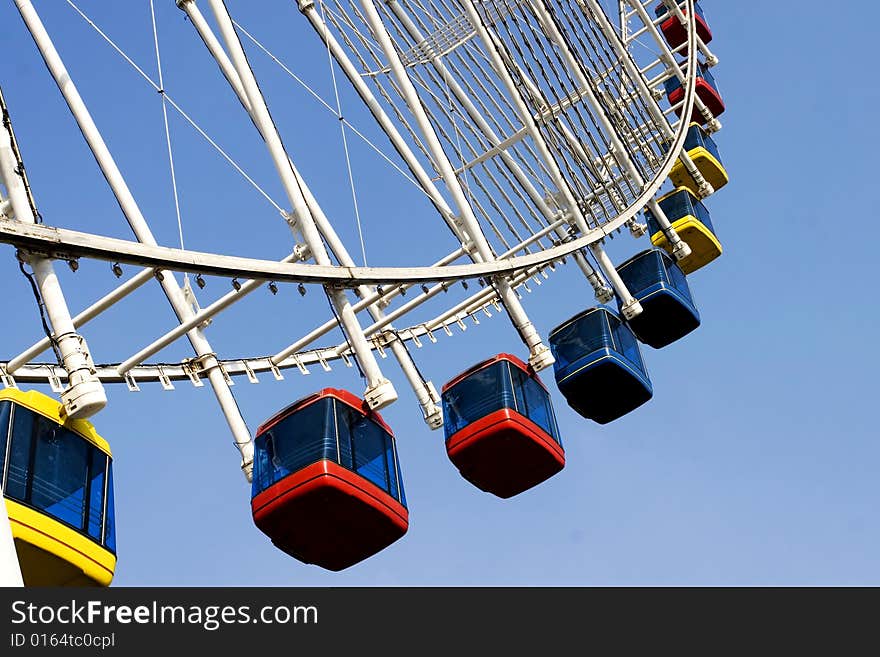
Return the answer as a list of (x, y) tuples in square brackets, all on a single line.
[(565, 209)]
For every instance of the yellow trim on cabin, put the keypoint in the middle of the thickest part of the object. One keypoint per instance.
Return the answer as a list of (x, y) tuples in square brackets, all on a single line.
[(712, 170), (54, 410), (65, 549), (705, 247)]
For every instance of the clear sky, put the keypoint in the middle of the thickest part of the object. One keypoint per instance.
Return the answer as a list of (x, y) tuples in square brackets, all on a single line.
[(754, 464)]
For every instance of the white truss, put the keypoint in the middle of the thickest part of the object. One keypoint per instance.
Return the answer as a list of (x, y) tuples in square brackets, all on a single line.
[(533, 126)]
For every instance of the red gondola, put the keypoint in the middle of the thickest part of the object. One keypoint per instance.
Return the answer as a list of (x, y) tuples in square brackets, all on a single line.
[(326, 487), (707, 91), (674, 32), (500, 427)]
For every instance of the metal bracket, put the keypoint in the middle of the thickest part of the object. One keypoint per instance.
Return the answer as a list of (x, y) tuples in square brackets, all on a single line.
[(7, 379), (275, 371), (131, 383), (302, 251), (225, 374), (429, 333), (164, 379), (193, 375), (251, 375), (54, 381), (302, 368)]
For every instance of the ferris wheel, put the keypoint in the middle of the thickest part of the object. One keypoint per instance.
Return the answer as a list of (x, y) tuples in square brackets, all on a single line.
[(537, 130)]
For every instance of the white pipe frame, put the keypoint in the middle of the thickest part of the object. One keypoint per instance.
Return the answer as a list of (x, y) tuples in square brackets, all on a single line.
[(630, 306), (424, 390), (380, 391), (84, 317), (598, 285), (666, 57), (625, 57), (47, 240), (680, 249), (477, 245), (539, 353), (137, 222), (307, 7), (84, 395), (673, 6)]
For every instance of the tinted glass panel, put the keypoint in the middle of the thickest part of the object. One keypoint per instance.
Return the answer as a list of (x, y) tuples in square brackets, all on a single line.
[(534, 402), (672, 84), (393, 481), (343, 432), (371, 448), (302, 438), (61, 466), (402, 491), (628, 345), (703, 72), (662, 9), (677, 205), (97, 469), (580, 338), (678, 279), (110, 521), (20, 454), (476, 396), (370, 444), (50, 469), (697, 137), (702, 214), (4, 434), (643, 271)]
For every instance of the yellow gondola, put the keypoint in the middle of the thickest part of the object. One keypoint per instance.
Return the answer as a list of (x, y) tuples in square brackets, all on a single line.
[(58, 487), (702, 150), (690, 219)]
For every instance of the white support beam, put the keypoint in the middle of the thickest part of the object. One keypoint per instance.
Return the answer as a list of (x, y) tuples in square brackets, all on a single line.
[(139, 226), (421, 388), (84, 395), (85, 316), (539, 354), (380, 391)]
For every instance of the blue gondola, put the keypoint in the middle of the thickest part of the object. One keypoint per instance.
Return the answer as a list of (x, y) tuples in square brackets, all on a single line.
[(327, 487), (599, 368), (668, 310), (500, 427), (691, 221)]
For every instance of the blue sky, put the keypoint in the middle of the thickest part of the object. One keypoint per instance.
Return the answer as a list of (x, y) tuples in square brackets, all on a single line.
[(755, 462)]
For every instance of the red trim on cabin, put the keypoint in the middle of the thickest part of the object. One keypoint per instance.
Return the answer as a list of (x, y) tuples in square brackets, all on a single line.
[(327, 473), (490, 424), (505, 454), (328, 516), (676, 34), (707, 93)]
